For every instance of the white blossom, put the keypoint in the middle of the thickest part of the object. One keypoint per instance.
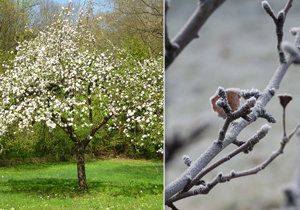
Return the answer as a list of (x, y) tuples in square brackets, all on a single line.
[(48, 82)]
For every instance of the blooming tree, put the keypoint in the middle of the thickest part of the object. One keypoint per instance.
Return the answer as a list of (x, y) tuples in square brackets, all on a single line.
[(61, 80)]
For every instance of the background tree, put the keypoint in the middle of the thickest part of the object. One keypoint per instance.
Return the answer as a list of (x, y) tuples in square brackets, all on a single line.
[(13, 23), (137, 25)]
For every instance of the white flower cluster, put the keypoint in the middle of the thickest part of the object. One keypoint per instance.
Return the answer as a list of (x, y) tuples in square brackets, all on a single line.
[(143, 105), (59, 79)]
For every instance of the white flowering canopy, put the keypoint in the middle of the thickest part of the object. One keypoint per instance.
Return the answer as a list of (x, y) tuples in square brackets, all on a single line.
[(60, 79)]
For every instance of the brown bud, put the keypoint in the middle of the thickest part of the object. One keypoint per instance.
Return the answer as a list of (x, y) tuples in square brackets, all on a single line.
[(284, 99), (233, 98)]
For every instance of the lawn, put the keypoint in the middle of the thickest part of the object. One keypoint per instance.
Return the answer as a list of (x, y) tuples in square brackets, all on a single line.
[(113, 184)]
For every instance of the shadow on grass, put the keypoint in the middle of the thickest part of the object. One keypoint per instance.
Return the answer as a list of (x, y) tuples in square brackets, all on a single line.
[(22, 166), (138, 171), (52, 187)]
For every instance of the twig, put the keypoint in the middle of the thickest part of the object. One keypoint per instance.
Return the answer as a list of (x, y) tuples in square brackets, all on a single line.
[(296, 32), (264, 114), (243, 111), (246, 94), (279, 22), (288, 6)]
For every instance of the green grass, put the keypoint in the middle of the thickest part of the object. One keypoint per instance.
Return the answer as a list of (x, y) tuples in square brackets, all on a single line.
[(113, 184)]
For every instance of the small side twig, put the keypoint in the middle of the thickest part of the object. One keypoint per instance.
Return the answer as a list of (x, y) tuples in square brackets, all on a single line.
[(243, 111), (187, 160), (296, 32), (288, 6), (246, 94), (264, 114)]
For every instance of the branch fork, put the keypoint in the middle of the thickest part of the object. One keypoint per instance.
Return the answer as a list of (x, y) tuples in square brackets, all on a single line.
[(279, 20)]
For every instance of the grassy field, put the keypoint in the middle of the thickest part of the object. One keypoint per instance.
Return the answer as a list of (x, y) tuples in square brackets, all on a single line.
[(113, 184)]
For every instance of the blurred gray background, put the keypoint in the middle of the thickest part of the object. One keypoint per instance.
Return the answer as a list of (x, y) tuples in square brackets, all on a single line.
[(236, 48)]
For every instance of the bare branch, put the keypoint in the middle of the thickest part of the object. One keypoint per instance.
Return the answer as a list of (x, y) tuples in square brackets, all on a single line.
[(177, 142), (288, 6), (249, 144), (234, 129), (191, 28), (96, 128), (69, 130), (220, 178), (267, 7), (172, 206), (231, 134)]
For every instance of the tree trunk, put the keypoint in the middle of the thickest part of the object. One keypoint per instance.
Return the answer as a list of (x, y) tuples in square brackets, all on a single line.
[(82, 184)]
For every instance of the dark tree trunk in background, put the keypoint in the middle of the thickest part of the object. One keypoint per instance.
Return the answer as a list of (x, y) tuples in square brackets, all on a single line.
[(82, 184)]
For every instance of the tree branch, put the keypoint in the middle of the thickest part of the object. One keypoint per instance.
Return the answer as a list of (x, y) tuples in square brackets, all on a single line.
[(177, 142), (69, 130), (95, 129), (220, 178), (190, 30), (100, 125)]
